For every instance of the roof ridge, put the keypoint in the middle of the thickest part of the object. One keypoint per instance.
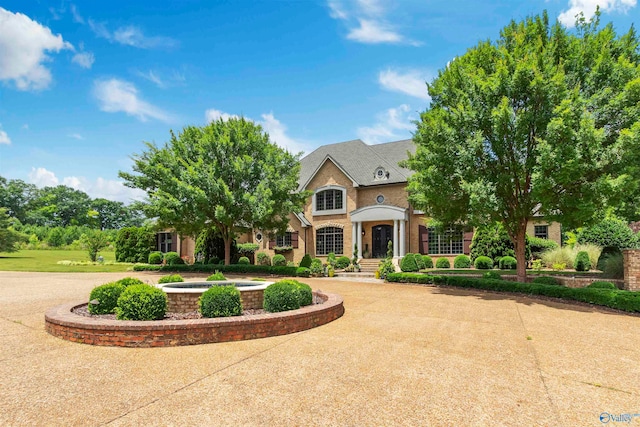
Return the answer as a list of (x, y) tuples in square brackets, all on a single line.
[(385, 160)]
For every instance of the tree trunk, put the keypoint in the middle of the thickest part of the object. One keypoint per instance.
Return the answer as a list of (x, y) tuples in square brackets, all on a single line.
[(520, 248), (227, 250)]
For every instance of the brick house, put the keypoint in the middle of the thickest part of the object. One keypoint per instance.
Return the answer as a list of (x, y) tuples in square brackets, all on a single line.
[(360, 198)]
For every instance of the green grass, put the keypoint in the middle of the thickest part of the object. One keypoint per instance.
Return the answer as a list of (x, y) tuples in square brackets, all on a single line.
[(45, 261)]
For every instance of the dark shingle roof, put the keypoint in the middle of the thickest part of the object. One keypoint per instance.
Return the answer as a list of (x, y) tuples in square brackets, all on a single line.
[(359, 161)]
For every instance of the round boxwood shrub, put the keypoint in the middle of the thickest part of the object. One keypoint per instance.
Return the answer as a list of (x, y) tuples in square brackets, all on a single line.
[(419, 261), (221, 301), (428, 262), (305, 261), (316, 266), (243, 260), (582, 262), (279, 259), (106, 297), (155, 257), (216, 276), (408, 263), (546, 280), (600, 284), (462, 261), (483, 263), (493, 275), (171, 278), (282, 296), (507, 263), (443, 263), (343, 262), (172, 258), (305, 295), (141, 302), (263, 258), (128, 281)]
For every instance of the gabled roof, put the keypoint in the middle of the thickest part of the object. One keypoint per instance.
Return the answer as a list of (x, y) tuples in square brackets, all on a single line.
[(359, 161)]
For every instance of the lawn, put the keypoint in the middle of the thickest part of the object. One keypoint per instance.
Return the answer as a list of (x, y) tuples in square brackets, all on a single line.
[(46, 261)]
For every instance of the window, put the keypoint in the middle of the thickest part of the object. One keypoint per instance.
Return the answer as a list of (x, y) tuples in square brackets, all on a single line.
[(446, 241), (329, 239), (329, 200), (165, 242), (541, 231), (284, 240), (380, 199)]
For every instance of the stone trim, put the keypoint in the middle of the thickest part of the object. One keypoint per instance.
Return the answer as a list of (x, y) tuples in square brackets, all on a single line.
[(329, 224)]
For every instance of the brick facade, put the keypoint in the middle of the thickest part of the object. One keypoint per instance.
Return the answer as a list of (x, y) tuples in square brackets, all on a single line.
[(631, 269), (180, 302)]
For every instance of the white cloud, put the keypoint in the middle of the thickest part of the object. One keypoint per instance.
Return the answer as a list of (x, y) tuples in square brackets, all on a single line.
[(154, 78), (336, 11), (100, 188), (412, 82), (130, 36), (212, 115), (23, 47), (393, 124), (76, 136), (84, 59), (120, 96), (371, 31), (588, 8), (25, 126), (4, 138), (76, 15)]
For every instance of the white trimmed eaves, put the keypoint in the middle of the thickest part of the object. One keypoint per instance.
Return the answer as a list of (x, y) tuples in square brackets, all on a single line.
[(328, 158)]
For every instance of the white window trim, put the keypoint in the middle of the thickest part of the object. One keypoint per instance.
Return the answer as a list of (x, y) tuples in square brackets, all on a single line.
[(315, 212)]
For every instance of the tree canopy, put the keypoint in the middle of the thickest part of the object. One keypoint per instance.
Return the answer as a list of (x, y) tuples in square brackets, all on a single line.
[(541, 121), (226, 175), (8, 236)]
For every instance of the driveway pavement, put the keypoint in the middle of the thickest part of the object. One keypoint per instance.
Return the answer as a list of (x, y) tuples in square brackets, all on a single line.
[(401, 355)]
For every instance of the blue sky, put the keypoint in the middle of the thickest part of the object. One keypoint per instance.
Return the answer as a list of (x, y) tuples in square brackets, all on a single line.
[(83, 84)]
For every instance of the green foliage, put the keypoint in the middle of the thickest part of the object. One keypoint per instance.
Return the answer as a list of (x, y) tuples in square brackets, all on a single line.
[(507, 263), (171, 278), (582, 262), (613, 266), (305, 261), (539, 245), (216, 276), (9, 238), (128, 281), (483, 263), (56, 237), (316, 267), (279, 260), (600, 284), (155, 257), (609, 233), (390, 249), (546, 280), (342, 262), (285, 295), (443, 263), (386, 267), (420, 262), (107, 297), (462, 261), (210, 246), (141, 302), (303, 272), (331, 259), (221, 301), (134, 244), (566, 255), (172, 258), (263, 258), (244, 260), (94, 241), (494, 275), (210, 268), (408, 263), (428, 262), (247, 248), (494, 241)]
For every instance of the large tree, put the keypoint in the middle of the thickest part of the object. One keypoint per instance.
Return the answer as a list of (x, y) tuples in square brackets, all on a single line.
[(541, 121), (227, 175), (9, 238)]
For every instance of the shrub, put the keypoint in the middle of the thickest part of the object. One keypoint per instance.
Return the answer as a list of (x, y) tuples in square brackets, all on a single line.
[(386, 267), (494, 241), (494, 275), (107, 297), (155, 257), (419, 261), (546, 280), (600, 284), (305, 294), (483, 263), (263, 258), (559, 266), (428, 262), (141, 302), (613, 266), (462, 261), (408, 263), (282, 296), (342, 262), (128, 281), (134, 244), (331, 259), (539, 246), (609, 233), (508, 263), (303, 272), (582, 262), (316, 267), (305, 261), (220, 301), (172, 258), (171, 278), (216, 276), (443, 263), (291, 264), (247, 248), (244, 260), (214, 260), (279, 259)]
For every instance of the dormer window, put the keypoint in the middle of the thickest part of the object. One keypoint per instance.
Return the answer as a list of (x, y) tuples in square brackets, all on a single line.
[(381, 174), (329, 200)]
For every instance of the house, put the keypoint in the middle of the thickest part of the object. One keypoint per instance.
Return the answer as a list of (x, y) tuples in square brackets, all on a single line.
[(360, 204)]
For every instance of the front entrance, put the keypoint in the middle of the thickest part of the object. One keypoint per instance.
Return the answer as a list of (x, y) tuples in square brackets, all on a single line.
[(382, 235)]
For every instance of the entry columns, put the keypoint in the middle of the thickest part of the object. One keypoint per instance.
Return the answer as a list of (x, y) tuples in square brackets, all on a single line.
[(359, 234), (395, 238), (402, 238), (354, 236)]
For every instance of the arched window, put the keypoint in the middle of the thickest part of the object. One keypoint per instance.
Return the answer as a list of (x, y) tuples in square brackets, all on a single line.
[(329, 239), (329, 200)]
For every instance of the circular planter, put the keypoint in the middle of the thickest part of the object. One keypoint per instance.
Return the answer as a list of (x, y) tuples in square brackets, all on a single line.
[(183, 297), (61, 322)]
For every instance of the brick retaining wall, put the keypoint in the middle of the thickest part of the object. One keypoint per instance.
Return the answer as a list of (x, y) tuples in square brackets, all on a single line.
[(60, 321), (183, 302), (631, 269)]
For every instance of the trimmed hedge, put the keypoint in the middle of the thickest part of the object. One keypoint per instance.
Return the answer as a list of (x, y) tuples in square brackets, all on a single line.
[(303, 272), (306, 261), (282, 296), (172, 258), (216, 276), (107, 296), (279, 260), (600, 284), (483, 263), (220, 301), (617, 299), (263, 258), (428, 262), (244, 260), (210, 268), (582, 262), (141, 302), (128, 281), (443, 263), (462, 261), (408, 263), (342, 262), (507, 263), (171, 278), (155, 257), (546, 280), (491, 275)]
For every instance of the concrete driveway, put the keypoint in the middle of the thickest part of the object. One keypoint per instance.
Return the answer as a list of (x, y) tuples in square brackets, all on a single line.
[(401, 355)]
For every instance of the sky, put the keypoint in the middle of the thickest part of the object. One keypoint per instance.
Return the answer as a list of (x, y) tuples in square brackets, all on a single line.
[(83, 85)]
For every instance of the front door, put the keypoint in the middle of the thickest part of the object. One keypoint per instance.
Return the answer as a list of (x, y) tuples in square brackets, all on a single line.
[(382, 235)]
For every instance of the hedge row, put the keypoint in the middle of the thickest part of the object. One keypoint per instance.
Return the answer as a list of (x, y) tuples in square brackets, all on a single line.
[(233, 268), (618, 299)]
